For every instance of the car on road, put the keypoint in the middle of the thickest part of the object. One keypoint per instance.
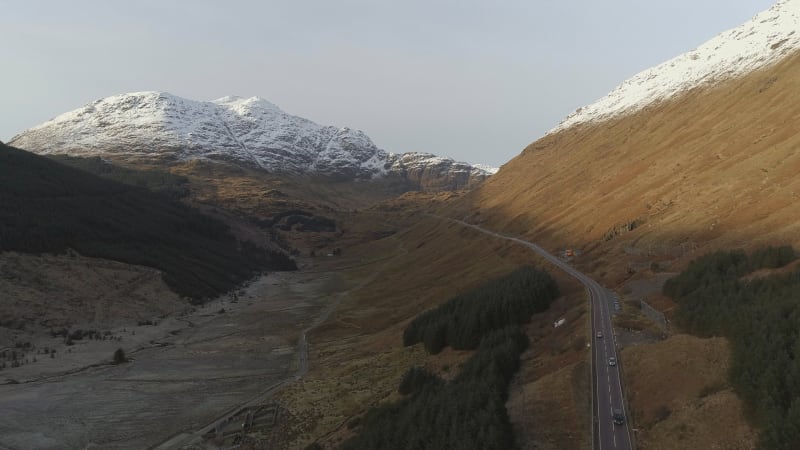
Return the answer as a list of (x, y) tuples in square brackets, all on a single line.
[(618, 417), (612, 361), (599, 335)]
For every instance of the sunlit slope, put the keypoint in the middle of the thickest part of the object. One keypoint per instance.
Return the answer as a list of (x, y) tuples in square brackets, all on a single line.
[(716, 165)]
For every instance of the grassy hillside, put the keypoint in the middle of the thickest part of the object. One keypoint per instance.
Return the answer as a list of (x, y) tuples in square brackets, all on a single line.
[(49, 207), (715, 166), (173, 186), (358, 357), (761, 317), (486, 319)]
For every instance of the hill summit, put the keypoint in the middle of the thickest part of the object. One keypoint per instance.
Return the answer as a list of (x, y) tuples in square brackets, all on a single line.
[(767, 38), (246, 131)]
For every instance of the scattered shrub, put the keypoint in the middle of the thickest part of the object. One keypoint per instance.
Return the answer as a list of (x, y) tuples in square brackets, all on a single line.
[(119, 356)]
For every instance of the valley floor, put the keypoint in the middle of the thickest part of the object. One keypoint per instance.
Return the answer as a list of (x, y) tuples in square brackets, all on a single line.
[(183, 372), (189, 372)]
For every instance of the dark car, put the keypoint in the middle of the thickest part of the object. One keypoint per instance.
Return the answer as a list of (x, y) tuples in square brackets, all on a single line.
[(618, 416)]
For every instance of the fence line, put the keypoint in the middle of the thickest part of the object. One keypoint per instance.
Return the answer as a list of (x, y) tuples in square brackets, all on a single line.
[(654, 315)]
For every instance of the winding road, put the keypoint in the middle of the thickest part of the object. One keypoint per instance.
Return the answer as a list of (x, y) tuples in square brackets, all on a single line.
[(606, 387)]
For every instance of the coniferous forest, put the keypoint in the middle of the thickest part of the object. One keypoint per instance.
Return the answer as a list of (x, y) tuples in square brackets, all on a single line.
[(464, 320), (48, 207), (469, 411), (761, 318)]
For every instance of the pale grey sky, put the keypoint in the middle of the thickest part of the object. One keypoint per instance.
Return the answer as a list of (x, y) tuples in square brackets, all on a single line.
[(473, 80)]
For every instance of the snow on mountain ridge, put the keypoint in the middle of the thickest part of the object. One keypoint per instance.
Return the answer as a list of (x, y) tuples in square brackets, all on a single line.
[(242, 105), (765, 39), (252, 130), (489, 169)]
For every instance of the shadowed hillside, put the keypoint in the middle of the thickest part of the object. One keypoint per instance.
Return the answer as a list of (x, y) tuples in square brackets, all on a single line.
[(49, 207)]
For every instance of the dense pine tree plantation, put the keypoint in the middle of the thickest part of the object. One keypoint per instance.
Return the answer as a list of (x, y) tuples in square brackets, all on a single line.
[(761, 317), (49, 207), (469, 411), (463, 320)]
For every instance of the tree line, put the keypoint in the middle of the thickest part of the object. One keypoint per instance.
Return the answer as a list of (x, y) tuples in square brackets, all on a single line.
[(761, 318), (469, 411)]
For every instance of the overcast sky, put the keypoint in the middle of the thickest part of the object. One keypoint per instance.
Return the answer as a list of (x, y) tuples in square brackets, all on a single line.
[(473, 80)]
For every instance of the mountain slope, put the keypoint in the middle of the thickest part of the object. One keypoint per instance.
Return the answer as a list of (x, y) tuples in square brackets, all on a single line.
[(49, 207), (251, 132), (645, 180), (768, 37), (708, 163)]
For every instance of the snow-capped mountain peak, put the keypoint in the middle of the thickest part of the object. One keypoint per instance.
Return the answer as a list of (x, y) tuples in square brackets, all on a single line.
[(489, 169), (767, 38), (252, 131), (244, 105)]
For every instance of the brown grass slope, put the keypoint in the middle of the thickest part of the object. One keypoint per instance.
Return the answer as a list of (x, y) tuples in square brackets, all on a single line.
[(714, 166), (680, 397), (357, 357)]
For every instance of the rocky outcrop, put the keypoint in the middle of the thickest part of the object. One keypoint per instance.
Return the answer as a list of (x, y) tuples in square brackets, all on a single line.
[(434, 173)]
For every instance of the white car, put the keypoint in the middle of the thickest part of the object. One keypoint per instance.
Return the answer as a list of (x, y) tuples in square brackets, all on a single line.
[(612, 361), (599, 335)]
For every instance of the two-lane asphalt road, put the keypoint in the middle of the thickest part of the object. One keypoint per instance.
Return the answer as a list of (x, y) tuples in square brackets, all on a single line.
[(607, 386)]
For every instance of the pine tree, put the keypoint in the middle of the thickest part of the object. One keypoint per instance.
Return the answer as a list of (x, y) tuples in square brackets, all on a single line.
[(119, 356)]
